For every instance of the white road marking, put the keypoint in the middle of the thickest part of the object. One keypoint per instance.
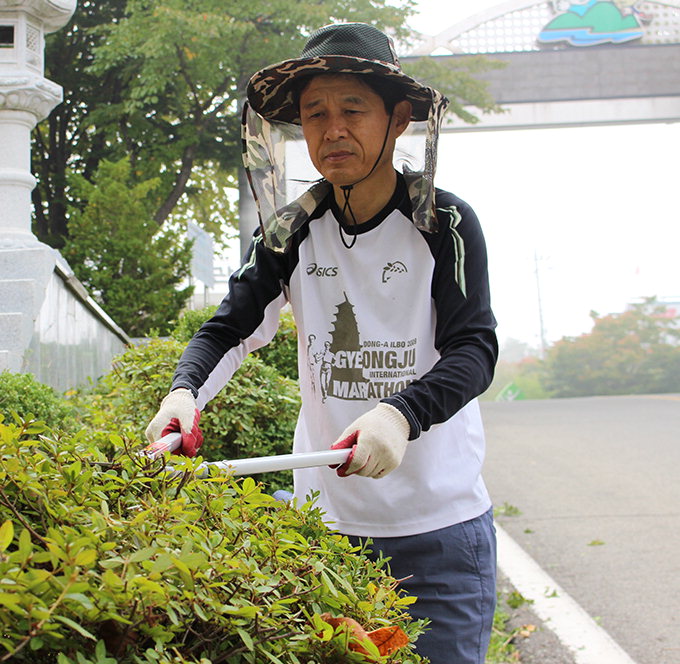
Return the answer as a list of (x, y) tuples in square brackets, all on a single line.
[(584, 638)]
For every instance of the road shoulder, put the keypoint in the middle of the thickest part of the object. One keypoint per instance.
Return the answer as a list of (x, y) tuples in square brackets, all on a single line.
[(580, 634), (535, 642)]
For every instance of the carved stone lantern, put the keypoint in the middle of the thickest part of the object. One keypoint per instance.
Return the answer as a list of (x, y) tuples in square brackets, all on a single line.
[(26, 98)]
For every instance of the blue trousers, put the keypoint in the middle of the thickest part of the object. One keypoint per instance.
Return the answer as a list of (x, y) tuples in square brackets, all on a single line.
[(453, 575)]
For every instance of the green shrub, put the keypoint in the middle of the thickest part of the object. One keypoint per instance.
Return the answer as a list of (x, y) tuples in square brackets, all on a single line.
[(26, 396), (280, 353), (254, 415), (104, 558), (189, 321)]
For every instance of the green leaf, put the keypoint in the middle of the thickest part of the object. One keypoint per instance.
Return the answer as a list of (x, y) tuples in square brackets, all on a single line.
[(25, 545), (322, 630), (146, 585), (184, 571), (249, 485), (112, 580), (198, 610), (75, 468), (35, 643), (10, 600), (34, 577), (245, 611), (162, 563), (328, 584), (6, 535), (86, 557), (143, 554), (272, 657), (82, 599), (246, 638), (75, 626)]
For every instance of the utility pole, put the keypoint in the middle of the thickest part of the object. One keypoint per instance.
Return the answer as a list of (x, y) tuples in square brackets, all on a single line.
[(540, 304)]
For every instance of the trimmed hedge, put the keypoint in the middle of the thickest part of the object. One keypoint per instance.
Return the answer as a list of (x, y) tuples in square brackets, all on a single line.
[(105, 557)]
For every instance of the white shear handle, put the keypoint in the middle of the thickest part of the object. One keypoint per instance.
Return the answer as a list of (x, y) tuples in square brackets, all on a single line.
[(272, 464), (267, 464)]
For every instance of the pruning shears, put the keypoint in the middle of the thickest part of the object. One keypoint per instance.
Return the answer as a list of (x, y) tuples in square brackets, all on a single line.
[(255, 465)]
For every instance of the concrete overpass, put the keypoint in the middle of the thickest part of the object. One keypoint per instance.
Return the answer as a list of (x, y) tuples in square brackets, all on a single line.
[(625, 76)]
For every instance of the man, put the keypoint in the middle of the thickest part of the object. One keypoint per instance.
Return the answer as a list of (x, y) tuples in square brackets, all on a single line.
[(391, 279)]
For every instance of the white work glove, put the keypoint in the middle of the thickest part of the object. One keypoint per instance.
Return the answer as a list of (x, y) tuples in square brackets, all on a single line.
[(378, 440), (178, 412)]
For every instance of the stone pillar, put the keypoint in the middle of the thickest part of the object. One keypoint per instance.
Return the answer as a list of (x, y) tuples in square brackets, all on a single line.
[(26, 98)]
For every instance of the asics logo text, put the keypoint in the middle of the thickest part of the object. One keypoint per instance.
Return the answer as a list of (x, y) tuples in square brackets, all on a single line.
[(319, 271)]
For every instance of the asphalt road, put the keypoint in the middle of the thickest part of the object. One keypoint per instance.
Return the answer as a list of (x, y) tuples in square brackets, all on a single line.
[(596, 482)]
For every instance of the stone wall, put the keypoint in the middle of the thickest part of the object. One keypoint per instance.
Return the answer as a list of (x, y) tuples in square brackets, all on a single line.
[(49, 325)]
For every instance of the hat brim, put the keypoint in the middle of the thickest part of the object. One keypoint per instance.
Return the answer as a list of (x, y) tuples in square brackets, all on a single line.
[(270, 90)]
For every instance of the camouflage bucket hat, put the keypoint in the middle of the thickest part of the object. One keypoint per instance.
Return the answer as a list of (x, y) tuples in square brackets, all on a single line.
[(345, 48)]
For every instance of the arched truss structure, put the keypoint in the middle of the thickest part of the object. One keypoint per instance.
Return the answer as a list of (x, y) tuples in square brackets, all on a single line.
[(630, 76), (515, 26)]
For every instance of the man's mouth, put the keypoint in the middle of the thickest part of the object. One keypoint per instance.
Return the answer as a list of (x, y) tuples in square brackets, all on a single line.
[(338, 155)]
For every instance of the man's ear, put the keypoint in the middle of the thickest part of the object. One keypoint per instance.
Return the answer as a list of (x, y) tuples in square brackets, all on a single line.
[(401, 116)]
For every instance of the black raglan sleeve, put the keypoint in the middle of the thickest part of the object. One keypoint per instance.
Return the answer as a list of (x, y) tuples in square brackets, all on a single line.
[(465, 325)]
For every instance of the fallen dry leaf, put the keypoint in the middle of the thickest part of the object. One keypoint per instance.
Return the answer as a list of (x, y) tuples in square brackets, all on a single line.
[(385, 639), (388, 639), (527, 630)]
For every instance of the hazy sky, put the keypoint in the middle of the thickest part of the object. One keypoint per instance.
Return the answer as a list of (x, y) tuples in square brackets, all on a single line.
[(597, 205)]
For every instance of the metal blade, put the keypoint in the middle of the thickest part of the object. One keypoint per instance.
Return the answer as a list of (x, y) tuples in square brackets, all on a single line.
[(167, 443)]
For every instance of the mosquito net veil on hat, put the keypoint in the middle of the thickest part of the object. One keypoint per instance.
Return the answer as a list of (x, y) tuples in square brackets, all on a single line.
[(271, 125)]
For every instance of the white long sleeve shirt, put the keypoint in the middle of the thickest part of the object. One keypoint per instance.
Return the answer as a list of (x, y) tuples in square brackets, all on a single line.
[(403, 316)]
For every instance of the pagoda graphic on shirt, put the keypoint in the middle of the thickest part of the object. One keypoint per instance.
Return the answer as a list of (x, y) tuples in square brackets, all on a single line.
[(345, 366), (345, 339)]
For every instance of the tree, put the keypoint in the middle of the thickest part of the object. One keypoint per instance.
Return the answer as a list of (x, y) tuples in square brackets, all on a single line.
[(634, 352), (161, 82), (116, 250)]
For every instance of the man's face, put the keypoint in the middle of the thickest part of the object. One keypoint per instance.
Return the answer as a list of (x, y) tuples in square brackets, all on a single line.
[(344, 123)]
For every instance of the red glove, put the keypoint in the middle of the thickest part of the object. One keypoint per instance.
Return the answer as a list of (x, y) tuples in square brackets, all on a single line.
[(178, 412)]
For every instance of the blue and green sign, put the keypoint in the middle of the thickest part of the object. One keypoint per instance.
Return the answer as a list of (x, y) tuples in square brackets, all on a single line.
[(592, 23)]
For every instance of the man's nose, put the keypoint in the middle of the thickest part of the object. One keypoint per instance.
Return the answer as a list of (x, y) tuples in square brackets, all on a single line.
[(336, 127)]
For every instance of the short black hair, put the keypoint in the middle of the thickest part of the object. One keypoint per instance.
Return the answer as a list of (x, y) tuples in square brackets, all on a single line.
[(391, 93)]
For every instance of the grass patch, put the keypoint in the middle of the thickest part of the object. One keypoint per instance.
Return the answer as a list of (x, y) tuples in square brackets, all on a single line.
[(502, 648)]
